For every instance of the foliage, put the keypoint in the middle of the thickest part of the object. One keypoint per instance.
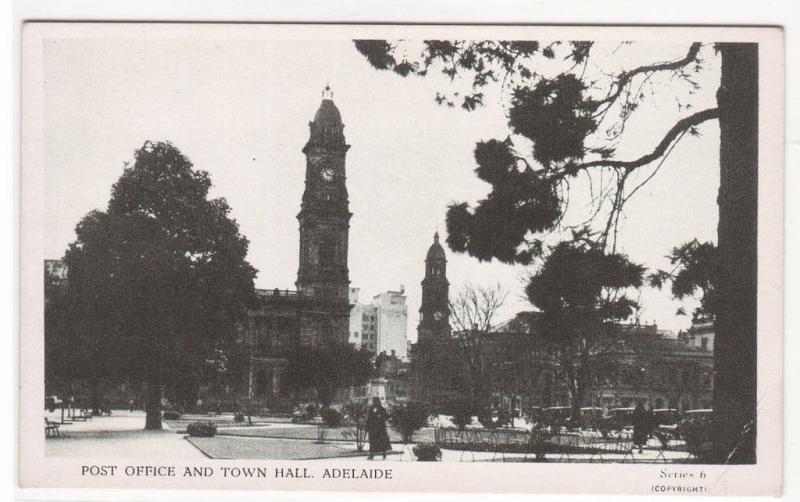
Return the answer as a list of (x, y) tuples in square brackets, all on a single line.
[(580, 291), (583, 285), (409, 418), (492, 419), (694, 271), (427, 452), (305, 413), (473, 311), (698, 434), (330, 417), (328, 368), (504, 418), (462, 410), (570, 122), (159, 279), (171, 415), (201, 429), (487, 420), (238, 417), (355, 414)]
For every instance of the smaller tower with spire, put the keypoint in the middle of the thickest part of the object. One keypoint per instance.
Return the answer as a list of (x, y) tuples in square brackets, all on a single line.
[(434, 322)]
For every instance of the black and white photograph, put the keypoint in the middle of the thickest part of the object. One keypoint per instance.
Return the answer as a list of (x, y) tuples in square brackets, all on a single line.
[(374, 246)]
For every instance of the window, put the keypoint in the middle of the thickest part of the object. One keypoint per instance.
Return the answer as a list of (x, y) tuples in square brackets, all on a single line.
[(327, 253)]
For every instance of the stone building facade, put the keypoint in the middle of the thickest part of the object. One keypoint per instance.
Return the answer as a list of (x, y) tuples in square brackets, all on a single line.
[(519, 371)]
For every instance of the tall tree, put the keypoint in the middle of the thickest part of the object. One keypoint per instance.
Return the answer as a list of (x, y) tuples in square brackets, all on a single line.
[(473, 311), (161, 275), (572, 119), (580, 291), (693, 274), (326, 369)]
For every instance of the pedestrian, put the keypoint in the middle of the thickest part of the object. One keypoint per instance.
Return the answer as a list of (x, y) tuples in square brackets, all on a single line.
[(641, 425), (131, 405), (376, 429)]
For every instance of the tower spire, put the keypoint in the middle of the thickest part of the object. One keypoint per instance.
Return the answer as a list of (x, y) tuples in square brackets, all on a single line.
[(327, 93)]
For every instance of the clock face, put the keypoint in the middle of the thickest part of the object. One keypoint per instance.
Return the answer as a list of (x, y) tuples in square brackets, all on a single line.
[(438, 315), (327, 173)]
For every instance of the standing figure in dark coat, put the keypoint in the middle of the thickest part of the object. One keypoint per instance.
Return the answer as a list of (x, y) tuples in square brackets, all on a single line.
[(641, 426), (376, 428)]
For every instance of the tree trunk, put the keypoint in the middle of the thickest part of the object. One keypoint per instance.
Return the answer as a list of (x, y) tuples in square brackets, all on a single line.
[(736, 324), (574, 389), (95, 397), (153, 406)]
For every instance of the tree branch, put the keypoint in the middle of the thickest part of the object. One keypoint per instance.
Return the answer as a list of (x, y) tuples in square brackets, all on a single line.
[(679, 127), (626, 76)]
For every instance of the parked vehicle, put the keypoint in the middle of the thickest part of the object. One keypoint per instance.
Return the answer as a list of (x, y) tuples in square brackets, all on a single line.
[(666, 416), (556, 416), (535, 415), (705, 413), (591, 417), (51, 403), (619, 418)]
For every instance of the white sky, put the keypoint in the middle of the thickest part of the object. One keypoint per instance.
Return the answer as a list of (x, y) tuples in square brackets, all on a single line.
[(239, 108)]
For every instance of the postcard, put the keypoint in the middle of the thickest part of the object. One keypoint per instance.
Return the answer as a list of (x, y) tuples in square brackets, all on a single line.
[(426, 258)]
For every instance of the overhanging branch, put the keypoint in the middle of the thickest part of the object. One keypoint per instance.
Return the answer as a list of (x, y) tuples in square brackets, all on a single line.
[(679, 127)]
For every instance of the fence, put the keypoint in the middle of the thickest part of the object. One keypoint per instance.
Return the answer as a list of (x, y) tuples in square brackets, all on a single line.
[(502, 443)]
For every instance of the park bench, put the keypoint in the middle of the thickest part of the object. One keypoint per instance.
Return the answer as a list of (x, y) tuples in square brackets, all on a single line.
[(50, 428)]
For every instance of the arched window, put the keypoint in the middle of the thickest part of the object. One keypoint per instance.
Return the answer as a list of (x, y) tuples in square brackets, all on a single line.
[(328, 330), (327, 253), (263, 383)]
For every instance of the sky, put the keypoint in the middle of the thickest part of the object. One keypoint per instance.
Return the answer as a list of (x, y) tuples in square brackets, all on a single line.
[(238, 107)]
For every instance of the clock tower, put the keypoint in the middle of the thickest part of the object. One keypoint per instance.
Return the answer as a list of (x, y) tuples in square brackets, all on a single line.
[(322, 277), (434, 322)]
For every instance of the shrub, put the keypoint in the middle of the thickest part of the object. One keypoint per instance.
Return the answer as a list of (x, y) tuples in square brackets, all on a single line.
[(238, 417), (331, 417), (303, 414), (171, 415), (504, 418), (202, 429), (698, 433), (488, 420), (462, 411), (427, 452), (355, 414), (409, 418)]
